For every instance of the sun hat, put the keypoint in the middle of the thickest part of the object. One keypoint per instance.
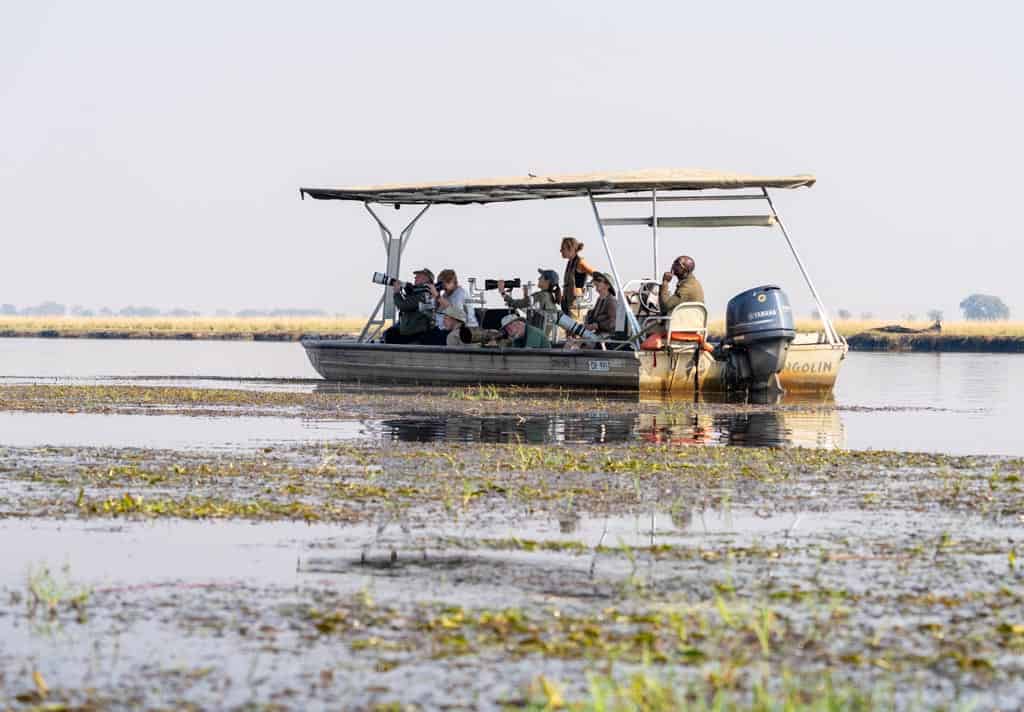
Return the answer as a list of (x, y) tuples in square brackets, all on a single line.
[(602, 277), (454, 311), (509, 318)]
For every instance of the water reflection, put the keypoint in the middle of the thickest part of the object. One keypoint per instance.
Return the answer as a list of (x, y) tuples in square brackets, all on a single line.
[(816, 428)]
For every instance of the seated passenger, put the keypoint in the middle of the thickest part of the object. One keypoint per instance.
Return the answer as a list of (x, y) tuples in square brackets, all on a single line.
[(451, 294), (601, 317), (688, 289), (522, 335), (544, 305), (455, 326), (415, 309)]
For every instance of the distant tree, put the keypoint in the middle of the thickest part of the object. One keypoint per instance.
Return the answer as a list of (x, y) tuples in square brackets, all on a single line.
[(182, 313), (815, 314), (222, 312), (910, 317), (79, 310), (935, 315), (867, 316), (46, 309), (984, 307), (8, 309), (106, 311), (844, 314)]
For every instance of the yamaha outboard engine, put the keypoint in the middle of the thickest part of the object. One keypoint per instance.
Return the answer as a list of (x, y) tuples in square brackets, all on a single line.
[(758, 331)]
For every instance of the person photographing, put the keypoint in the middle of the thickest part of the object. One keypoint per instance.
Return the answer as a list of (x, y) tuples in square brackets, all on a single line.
[(543, 305), (415, 309)]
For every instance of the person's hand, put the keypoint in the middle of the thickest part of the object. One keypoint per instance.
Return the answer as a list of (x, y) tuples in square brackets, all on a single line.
[(667, 277), (501, 286), (432, 288), (396, 286), (590, 327)]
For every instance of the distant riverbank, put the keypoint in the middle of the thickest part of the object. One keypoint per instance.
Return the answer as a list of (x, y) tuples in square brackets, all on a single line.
[(961, 336)]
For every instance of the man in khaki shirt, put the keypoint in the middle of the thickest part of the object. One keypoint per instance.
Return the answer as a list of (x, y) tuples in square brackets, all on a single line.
[(688, 289)]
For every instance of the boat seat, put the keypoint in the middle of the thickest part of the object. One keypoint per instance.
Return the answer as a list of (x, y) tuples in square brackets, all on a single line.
[(687, 324)]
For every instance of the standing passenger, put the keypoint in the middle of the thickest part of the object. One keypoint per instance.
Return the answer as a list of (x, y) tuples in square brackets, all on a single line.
[(576, 271)]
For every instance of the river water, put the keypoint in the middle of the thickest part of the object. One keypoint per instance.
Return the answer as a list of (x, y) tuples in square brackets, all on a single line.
[(953, 403)]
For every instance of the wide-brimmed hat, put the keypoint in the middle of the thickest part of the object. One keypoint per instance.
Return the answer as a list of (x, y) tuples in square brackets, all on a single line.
[(549, 274), (424, 270), (601, 276), (509, 318), (455, 312)]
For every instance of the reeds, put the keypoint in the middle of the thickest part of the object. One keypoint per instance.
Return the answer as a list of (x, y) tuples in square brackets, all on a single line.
[(171, 327)]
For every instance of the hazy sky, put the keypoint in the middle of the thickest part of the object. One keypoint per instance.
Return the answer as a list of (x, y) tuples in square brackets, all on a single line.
[(152, 153)]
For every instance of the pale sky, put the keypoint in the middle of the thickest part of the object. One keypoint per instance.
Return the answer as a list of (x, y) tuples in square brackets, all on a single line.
[(152, 153)]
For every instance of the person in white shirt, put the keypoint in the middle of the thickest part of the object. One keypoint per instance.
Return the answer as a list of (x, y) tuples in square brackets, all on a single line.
[(451, 294)]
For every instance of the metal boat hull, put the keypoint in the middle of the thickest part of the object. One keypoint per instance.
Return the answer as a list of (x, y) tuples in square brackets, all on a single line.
[(809, 366)]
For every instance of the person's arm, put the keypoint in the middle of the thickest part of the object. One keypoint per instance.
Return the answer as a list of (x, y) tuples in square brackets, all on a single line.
[(666, 299), (583, 267), (407, 301)]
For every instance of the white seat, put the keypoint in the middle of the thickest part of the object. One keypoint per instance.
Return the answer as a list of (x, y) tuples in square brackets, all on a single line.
[(685, 326)]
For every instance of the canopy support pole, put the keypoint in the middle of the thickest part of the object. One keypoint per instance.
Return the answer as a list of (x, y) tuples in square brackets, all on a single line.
[(654, 230), (830, 331), (393, 247), (623, 308)]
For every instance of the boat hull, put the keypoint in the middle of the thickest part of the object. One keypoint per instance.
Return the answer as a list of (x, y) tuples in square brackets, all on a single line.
[(809, 366)]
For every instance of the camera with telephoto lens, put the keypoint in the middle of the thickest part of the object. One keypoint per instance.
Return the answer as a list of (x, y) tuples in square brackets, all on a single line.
[(509, 283), (383, 279), (574, 328)]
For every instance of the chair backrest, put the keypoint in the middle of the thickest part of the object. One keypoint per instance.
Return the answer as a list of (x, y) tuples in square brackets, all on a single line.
[(689, 317)]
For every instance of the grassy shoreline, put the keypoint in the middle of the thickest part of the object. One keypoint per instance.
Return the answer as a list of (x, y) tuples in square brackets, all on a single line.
[(956, 336)]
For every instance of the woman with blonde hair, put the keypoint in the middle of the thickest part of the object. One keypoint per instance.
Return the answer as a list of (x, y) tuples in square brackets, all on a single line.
[(576, 271)]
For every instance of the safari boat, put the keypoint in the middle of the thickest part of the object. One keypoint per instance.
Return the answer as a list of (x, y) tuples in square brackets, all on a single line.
[(760, 350)]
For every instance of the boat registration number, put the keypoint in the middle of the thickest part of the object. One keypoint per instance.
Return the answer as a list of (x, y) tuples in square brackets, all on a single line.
[(598, 365)]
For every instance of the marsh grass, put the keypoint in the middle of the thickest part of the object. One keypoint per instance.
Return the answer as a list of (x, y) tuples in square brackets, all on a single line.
[(49, 595), (176, 327), (849, 327)]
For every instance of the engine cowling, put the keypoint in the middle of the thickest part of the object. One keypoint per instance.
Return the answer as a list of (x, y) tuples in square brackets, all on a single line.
[(758, 331)]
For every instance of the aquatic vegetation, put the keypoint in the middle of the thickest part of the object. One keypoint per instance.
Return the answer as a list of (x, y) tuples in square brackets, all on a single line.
[(50, 595)]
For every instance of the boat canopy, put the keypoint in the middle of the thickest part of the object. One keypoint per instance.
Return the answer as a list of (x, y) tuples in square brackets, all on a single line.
[(531, 187)]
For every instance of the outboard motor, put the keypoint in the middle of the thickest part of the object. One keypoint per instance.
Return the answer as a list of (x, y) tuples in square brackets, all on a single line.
[(758, 331)]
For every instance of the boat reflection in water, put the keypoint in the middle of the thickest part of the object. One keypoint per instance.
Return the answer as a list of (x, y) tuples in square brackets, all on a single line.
[(814, 424)]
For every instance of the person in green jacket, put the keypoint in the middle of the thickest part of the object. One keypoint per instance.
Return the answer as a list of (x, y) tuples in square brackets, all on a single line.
[(544, 305), (688, 289), (523, 335), (415, 309)]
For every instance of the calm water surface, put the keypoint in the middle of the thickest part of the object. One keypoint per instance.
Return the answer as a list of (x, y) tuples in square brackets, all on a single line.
[(956, 403)]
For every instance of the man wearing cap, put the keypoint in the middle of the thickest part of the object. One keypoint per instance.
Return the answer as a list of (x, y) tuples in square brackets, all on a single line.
[(523, 335), (688, 289), (415, 309)]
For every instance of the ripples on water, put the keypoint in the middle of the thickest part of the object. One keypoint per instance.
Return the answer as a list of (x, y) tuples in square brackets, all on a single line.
[(958, 403)]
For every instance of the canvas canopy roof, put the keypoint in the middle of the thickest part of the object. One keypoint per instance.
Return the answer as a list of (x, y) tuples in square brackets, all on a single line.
[(498, 190)]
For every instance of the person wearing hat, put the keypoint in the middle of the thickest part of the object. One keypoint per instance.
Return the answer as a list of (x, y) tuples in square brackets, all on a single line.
[(454, 323), (543, 305), (523, 335), (601, 317), (688, 289), (415, 309)]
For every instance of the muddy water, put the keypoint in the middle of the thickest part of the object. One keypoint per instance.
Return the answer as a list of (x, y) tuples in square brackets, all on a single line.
[(954, 403)]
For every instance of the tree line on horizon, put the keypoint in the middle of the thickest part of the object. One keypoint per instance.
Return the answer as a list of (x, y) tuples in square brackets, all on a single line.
[(54, 309), (975, 307)]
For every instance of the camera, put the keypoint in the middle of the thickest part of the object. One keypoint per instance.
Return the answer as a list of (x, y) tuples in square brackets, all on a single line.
[(510, 283), (574, 328), (383, 279)]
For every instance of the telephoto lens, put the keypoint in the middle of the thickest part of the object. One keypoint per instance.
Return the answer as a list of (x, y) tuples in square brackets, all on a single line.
[(381, 278), (509, 283), (574, 328)]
